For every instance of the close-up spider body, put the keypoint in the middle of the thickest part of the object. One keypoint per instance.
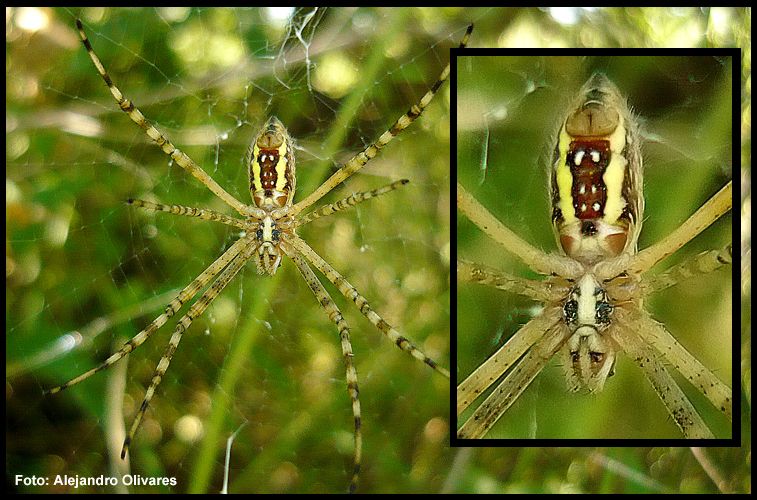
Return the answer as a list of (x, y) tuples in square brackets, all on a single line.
[(597, 287), (265, 232)]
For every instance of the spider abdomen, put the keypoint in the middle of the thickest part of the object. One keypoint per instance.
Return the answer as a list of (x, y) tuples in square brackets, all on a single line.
[(270, 162), (596, 175)]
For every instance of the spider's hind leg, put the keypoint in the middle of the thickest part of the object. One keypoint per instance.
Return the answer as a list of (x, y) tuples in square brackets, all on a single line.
[(680, 408), (351, 293), (335, 315), (195, 311), (359, 160)]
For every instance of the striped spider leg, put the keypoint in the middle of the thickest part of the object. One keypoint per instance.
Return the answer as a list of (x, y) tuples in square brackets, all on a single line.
[(593, 294), (268, 232)]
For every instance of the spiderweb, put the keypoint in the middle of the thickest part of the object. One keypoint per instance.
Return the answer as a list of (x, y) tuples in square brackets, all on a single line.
[(88, 272)]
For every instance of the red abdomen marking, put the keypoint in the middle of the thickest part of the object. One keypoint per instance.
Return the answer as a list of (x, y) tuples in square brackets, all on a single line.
[(588, 160), (268, 159)]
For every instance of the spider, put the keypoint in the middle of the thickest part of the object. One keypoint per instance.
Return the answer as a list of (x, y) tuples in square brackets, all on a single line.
[(268, 232), (593, 291)]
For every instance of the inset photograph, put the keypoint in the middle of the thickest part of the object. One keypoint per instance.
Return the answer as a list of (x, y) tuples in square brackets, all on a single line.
[(594, 245)]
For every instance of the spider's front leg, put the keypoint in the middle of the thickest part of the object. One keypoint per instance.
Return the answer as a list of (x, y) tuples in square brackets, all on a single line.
[(680, 408), (155, 135), (174, 306), (195, 311), (540, 262), (655, 334)]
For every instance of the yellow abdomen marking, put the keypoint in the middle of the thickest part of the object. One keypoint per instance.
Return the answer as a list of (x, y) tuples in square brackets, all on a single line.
[(256, 169), (269, 168), (614, 175), (281, 167)]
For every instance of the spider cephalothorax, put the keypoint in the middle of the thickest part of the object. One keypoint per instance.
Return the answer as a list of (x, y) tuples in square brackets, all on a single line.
[(589, 355)]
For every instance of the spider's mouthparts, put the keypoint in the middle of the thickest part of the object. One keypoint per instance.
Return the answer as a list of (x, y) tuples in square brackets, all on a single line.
[(269, 258)]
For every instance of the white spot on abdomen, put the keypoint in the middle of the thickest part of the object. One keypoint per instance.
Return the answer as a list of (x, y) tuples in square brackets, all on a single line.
[(579, 156)]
